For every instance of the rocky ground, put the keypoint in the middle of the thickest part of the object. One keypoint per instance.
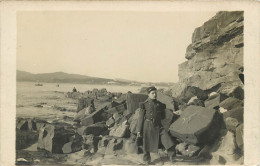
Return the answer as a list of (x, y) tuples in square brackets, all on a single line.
[(204, 112)]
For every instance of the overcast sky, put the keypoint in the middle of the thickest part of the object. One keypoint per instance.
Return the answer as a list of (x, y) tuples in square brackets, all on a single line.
[(141, 46)]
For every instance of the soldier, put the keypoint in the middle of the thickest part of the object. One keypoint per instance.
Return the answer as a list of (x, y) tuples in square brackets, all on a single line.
[(149, 124)]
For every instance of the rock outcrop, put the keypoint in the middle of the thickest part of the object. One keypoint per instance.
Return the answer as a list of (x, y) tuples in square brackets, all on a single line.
[(215, 57)]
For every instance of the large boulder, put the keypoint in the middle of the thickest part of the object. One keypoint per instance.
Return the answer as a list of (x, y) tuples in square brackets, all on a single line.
[(237, 113), (226, 148), (91, 142), (196, 125), (53, 138), (95, 129), (120, 131), (74, 145), (167, 119), (117, 109), (167, 100), (240, 136), (231, 103), (97, 116), (24, 139), (189, 91), (83, 113), (214, 100), (133, 100), (134, 121)]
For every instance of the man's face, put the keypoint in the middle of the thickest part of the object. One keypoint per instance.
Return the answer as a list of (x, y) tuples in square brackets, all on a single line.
[(153, 94)]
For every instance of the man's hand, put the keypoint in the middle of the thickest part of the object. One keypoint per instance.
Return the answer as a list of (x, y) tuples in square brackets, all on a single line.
[(138, 134)]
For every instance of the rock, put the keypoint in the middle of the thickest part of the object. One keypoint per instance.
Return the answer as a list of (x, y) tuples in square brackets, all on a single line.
[(116, 94), (143, 90), (214, 101), (131, 147), (102, 144), (95, 129), (218, 159), (231, 103), (240, 136), (189, 92), (167, 119), (104, 141), (178, 113), (91, 142), (205, 152), (196, 125), (195, 101), (238, 93), (117, 109), (117, 116), (105, 98), (231, 124), (26, 125), (85, 102), (24, 139), (166, 100), (121, 99), (97, 116), (237, 113), (210, 66), (114, 145), (133, 101), (226, 149), (52, 138), (74, 145), (120, 131), (134, 121), (222, 110), (83, 113), (110, 122), (187, 150), (74, 95)]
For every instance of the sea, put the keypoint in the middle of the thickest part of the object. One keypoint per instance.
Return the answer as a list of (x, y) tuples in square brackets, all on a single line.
[(49, 102)]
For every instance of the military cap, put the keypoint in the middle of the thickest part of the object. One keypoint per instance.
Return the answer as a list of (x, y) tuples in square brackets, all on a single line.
[(149, 89)]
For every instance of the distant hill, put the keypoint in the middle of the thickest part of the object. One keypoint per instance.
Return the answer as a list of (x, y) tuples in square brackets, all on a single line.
[(61, 77)]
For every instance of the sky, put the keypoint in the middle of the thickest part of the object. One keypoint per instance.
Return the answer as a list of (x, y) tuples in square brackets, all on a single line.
[(139, 46)]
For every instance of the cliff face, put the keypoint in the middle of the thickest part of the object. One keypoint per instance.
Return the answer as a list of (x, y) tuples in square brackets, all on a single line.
[(215, 56)]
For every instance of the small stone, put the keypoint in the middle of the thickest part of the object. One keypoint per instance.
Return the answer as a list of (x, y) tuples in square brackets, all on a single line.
[(222, 110)]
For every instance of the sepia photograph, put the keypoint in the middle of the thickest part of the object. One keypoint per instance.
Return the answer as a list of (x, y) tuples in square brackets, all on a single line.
[(129, 87)]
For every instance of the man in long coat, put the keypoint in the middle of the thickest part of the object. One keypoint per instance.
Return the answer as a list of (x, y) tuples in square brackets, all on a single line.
[(149, 124)]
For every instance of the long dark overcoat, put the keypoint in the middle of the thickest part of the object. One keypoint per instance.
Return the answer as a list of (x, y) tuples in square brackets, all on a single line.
[(149, 124)]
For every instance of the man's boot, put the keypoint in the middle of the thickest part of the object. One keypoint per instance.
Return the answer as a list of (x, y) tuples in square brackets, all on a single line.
[(147, 157)]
